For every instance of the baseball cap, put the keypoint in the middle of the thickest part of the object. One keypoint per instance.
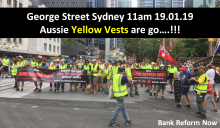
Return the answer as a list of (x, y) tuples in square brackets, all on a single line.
[(20, 56), (183, 68), (39, 57), (161, 65), (93, 59)]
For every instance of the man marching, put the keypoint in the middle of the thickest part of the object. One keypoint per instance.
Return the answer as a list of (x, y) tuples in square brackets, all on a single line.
[(40, 64)]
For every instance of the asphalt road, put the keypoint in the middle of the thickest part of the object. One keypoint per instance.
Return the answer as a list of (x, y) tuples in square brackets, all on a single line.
[(46, 109)]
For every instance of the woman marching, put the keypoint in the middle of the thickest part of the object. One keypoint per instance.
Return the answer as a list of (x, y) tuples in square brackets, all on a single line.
[(53, 67), (20, 63), (14, 71)]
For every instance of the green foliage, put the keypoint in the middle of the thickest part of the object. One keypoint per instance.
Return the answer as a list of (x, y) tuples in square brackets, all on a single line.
[(149, 49), (7, 44), (219, 6), (102, 54), (69, 41)]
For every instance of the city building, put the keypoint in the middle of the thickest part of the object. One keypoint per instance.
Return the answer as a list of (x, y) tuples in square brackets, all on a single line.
[(200, 3), (60, 3), (76, 49), (30, 47), (160, 3), (36, 5), (14, 3), (100, 4), (119, 3), (89, 3)]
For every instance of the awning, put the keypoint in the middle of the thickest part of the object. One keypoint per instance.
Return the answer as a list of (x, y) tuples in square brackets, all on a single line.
[(19, 51)]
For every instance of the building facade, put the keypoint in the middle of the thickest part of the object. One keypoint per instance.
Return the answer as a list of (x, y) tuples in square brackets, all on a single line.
[(200, 3), (119, 3), (62, 3), (160, 3), (100, 3), (14, 3)]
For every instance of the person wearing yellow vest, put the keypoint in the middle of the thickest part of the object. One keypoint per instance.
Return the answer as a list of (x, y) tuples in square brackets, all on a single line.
[(5, 67), (133, 63), (99, 77), (40, 64), (33, 63), (14, 71), (115, 69), (176, 76), (184, 76), (53, 67), (171, 71), (120, 90), (61, 66), (106, 73), (87, 67), (201, 90), (128, 70), (148, 66), (141, 67), (159, 87), (20, 63), (94, 71), (151, 86), (73, 66)]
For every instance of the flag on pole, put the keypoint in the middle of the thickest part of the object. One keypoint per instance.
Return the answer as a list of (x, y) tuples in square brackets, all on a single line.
[(163, 42), (165, 55), (218, 47)]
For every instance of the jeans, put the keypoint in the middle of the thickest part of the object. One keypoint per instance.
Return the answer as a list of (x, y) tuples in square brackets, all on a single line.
[(15, 82), (120, 106), (54, 85)]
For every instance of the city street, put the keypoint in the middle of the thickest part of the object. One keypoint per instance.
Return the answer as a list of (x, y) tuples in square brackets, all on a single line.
[(46, 109)]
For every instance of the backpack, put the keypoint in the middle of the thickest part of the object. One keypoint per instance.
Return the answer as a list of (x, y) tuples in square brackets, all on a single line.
[(217, 77)]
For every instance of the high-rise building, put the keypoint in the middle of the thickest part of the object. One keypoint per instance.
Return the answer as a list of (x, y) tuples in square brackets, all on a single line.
[(90, 3), (119, 3), (64, 3), (160, 3), (14, 3), (200, 3), (100, 3)]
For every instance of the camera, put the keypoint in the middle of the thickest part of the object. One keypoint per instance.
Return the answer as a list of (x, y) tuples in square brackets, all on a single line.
[(190, 82)]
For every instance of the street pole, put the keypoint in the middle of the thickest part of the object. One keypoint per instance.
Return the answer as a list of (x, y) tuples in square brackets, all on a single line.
[(107, 48)]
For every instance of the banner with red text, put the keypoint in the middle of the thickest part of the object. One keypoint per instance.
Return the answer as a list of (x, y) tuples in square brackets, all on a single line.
[(149, 77), (52, 76)]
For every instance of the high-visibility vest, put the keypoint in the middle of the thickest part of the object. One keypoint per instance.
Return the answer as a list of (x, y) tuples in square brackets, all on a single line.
[(87, 68), (114, 70), (155, 68), (128, 70), (179, 75), (33, 64), (172, 70), (5, 62), (53, 68), (100, 67), (94, 68), (80, 65), (21, 64), (143, 67), (132, 65), (62, 66), (14, 70), (202, 88), (118, 89), (72, 66), (106, 72), (148, 66), (39, 64)]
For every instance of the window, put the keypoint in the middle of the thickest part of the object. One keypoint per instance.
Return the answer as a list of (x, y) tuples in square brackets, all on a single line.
[(49, 47), (45, 46), (20, 5), (15, 3), (14, 39), (20, 40), (54, 48), (57, 49), (9, 2)]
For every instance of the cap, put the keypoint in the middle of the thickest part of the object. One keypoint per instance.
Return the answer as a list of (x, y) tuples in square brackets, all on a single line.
[(39, 57), (20, 56), (152, 63), (93, 59), (183, 68), (161, 65)]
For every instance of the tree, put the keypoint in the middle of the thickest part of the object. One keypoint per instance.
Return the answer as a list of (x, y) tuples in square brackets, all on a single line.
[(69, 42), (102, 54), (5, 43)]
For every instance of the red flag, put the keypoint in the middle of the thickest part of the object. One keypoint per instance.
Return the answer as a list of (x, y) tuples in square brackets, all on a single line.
[(165, 55), (170, 44), (163, 42)]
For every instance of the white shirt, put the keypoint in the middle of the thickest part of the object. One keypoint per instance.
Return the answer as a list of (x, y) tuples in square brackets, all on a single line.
[(211, 74)]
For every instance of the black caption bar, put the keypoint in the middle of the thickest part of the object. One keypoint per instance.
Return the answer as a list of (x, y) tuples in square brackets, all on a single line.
[(110, 22)]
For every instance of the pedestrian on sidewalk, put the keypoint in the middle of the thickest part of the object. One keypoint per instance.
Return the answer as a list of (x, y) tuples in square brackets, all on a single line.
[(201, 90), (20, 63), (184, 76), (14, 71), (120, 90), (5, 67), (159, 87), (40, 65), (171, 71), (210, 97), (53, 67)]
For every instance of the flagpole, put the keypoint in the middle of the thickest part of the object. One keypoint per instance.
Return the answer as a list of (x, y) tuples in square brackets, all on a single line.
[(216, 47)]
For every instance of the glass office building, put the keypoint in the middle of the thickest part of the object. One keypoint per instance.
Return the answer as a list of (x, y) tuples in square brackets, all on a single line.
[(124, 3), (163, 3), (199, 3), (160, 3), (177, 3), (89, 3), (145, 3), (100, 3)]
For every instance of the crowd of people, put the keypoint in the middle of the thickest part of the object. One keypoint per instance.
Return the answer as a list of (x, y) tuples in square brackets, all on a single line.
[(101, 75)]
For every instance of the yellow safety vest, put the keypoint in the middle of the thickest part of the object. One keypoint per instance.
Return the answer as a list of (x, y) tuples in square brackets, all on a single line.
[(179, 75), (87, 68), (53, 68), (118, 89), (94, 69), (143, 67), (114, 71), (39, 64), (106, 72), (21, 64), (202, 88), (14, 70), (5, 62), (33, 64), (128, 70), (155, 68), (100, 67), (62, 66), (172, 70)]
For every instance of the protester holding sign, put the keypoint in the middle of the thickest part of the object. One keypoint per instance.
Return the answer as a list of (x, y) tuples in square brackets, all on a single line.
[(40, 64), (53, 67), (20, 63), (159, 87), (153, 67)]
